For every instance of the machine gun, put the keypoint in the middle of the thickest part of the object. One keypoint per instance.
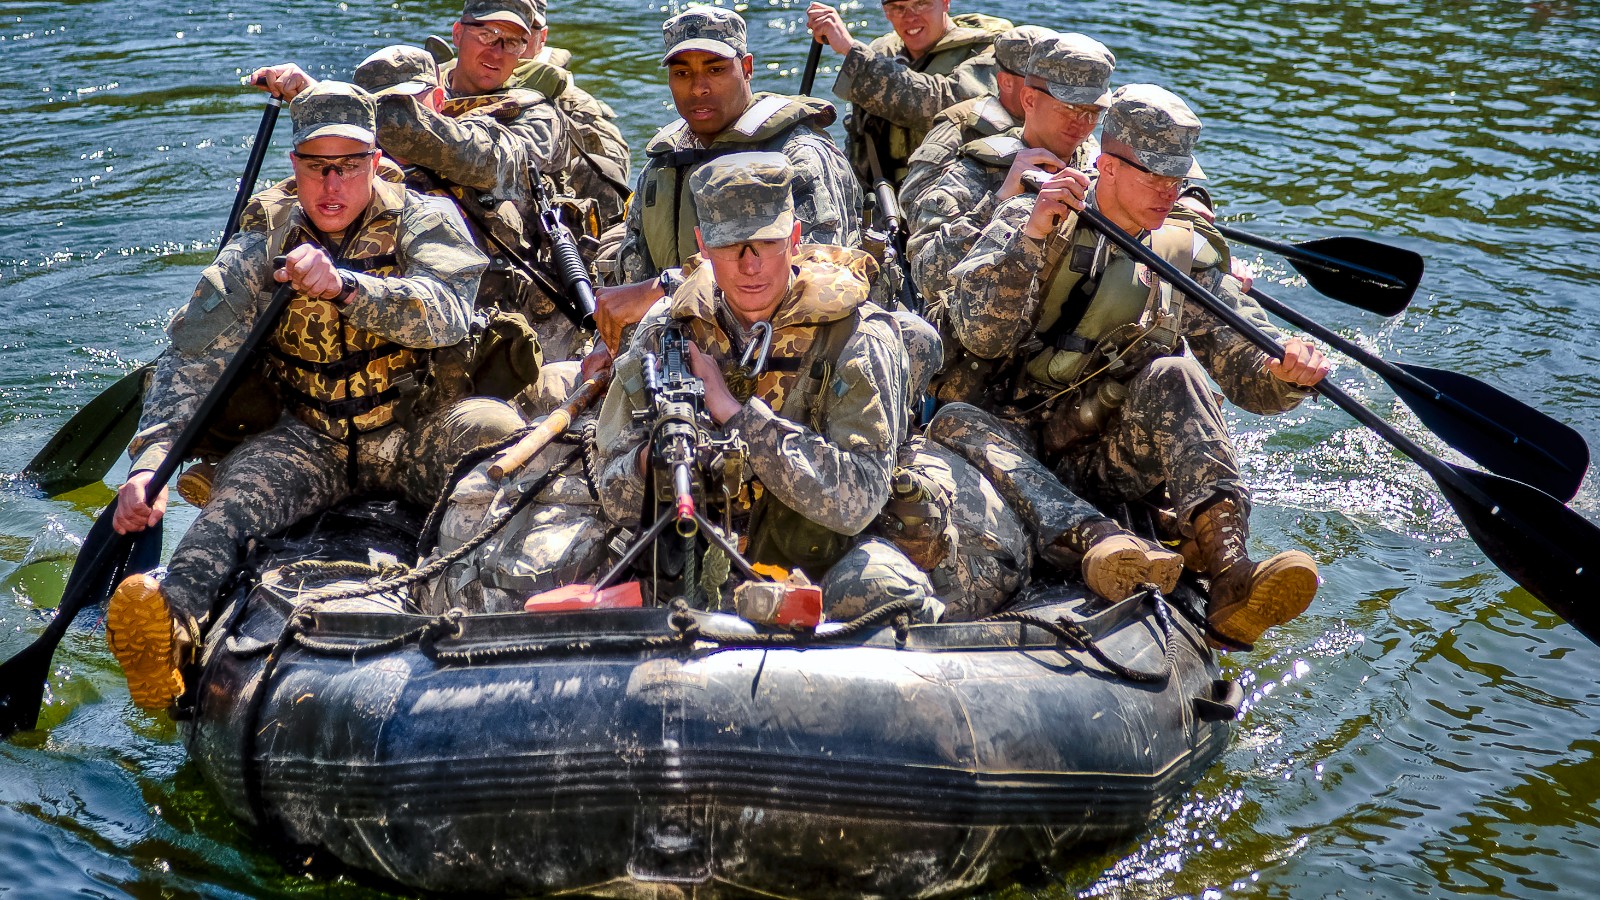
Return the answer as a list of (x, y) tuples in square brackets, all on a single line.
[(688, 464)]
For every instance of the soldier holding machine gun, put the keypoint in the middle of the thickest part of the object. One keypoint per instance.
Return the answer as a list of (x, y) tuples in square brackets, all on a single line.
[(798, 369)]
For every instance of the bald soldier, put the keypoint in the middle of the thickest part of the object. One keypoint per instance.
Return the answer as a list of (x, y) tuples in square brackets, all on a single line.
[(821, 415), (380, 277), (1083, 351), (1066, 83), (896, 85)]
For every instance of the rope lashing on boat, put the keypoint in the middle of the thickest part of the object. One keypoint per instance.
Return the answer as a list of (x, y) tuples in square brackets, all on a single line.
[(1077, 637), (407, 577)]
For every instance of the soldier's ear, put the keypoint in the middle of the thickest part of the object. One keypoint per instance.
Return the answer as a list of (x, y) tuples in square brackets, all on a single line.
[(434, 99), (455, 37), (794, 236), (700, 242), (749, 62)]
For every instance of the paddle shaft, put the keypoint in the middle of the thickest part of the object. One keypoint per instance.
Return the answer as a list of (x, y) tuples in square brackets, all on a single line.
[(1434, 466), (252, 167), (517, 455), (1310, 257), (813, 59)]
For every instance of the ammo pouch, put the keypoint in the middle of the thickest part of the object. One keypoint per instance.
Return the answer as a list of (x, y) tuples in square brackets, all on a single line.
[(507, 356), (788, 539)]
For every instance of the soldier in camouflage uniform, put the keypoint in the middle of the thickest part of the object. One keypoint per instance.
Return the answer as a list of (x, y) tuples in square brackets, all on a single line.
[(380, 277), (988, 115), (821, 420), (481, 140), (902, 80), (1078, 337), (1066, 83)]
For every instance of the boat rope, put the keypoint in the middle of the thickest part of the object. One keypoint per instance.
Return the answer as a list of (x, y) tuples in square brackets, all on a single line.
[(394, 578), (1074, 635)]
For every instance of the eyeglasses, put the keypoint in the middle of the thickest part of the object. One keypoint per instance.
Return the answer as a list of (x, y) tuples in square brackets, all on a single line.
[(895, 9), (1080, 113), (1160, 183), (493, 37), (734, 252), (343, 167)]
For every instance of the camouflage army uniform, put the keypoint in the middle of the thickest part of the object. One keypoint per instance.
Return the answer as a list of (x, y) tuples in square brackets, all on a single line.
[(416, 268), (599, 165), (835, 476), (969, 120), (827, 198), (947, 218), (1170, 429), (895, 99)]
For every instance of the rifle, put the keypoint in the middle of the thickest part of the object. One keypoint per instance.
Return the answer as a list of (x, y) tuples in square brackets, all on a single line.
[(894, 232), (576, 297)]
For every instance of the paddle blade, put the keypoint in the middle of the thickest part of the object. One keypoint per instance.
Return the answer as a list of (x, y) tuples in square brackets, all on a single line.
[(1541, 543), (1366, 274), (86, 448), (104, 560), (1498, 431)]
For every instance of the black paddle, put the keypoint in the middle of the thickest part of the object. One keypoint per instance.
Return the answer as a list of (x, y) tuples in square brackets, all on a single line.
[(1366, 274), (1498, 431), (107, 557), (1543, 545), (86, 448), (809, 76)]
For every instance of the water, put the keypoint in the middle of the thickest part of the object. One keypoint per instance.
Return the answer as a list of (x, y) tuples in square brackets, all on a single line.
[(1426, 730)]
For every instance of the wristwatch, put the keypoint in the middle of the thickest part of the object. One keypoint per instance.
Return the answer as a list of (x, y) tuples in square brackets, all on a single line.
[(669, 280), (348, 284)]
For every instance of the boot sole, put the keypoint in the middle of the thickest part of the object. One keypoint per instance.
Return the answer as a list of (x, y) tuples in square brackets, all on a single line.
[(1163, 573), (139, 632), (1281, 591)]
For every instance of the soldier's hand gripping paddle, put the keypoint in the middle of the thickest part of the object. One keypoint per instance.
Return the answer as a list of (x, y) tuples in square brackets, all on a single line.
[(1495, 430), (1536, 539), (106, 556), (85, 448), (1366, 274)]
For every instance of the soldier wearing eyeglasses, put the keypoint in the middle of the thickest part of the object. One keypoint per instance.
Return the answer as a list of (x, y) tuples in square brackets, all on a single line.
[(900, 82), (1085, 354), (381, 278)]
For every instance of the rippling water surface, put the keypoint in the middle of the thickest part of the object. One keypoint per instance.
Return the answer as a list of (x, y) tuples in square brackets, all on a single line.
[(1426, 730)]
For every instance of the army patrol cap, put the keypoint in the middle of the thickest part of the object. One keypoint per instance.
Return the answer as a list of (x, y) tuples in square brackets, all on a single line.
[(399, 69), (709, 28), (1012, 48), (1074, 68), (526, 15), (1150, 126), (333, 109), (744, 197)]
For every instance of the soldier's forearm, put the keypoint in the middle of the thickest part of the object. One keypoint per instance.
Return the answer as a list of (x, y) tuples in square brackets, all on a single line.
[(886, 88), (421, 311)]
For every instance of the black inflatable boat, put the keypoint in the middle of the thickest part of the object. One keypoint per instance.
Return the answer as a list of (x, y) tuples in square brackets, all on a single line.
[(680, 753)]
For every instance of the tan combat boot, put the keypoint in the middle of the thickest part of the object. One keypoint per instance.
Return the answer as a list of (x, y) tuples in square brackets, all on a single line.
[(1249, 597), (151, 644), (194, 485), (1116, 563)]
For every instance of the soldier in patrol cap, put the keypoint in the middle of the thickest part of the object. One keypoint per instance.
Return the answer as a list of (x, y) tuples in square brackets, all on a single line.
[(928, 62), (710, 71), (1066, 84), (380, 278), (1088, 362), (821, 415), (987, 115), (480, 143)]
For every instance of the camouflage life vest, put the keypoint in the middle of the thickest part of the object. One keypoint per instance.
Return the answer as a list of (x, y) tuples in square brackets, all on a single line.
[(334, 377), (809, 335), (668, 216)]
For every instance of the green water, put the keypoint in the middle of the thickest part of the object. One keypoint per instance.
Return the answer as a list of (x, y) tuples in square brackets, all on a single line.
[(1427, 730)]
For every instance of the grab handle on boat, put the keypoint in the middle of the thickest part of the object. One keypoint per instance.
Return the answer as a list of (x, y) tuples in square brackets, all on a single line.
[(1223, 704)]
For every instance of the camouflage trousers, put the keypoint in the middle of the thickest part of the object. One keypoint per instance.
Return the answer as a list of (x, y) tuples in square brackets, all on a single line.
[(987, 554), (560, 537), (1170, 431), (875, 573), (279, 476), (1005, 455)]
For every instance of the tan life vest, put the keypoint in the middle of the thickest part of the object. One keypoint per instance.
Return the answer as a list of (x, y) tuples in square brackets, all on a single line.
[(668, 219), (973, 34), (336, 378)]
